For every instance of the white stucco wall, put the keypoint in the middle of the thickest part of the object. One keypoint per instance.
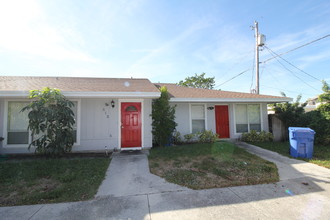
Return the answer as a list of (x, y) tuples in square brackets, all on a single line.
[(99, 126), (147, 120), (182, 114), (182, 117), (264, 116), (1, 121)]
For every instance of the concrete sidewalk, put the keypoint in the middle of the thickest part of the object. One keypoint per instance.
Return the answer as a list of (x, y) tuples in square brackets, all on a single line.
[(131, 192), (129, 175)]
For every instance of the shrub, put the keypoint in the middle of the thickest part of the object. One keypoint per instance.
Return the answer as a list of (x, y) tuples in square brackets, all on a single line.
[(254, 136), (50, 121), (207, 136), (163, 118), (177, 138), (189, 138)]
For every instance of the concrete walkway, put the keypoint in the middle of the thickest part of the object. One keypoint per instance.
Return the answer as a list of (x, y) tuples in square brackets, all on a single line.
[(129, 175), (131, 192)]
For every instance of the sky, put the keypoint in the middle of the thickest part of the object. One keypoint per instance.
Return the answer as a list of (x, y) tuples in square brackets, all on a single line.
[(169, 40)]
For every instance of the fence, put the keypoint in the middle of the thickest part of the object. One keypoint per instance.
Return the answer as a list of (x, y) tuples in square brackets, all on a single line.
[(276, 126)]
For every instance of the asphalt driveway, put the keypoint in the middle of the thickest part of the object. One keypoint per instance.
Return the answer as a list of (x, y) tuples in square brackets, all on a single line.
[(131, 192)]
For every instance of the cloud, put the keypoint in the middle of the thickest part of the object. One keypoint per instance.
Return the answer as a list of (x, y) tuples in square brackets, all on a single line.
[(289, 41), (140, 65), (323, 55), (231, 45), (24, 29)]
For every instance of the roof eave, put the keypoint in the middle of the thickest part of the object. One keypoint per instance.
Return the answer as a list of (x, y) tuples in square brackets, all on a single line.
[(24, 94), (232, 100)]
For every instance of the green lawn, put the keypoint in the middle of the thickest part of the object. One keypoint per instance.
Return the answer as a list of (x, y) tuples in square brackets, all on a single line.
[(36, 181), (321, 155), (202, 166)]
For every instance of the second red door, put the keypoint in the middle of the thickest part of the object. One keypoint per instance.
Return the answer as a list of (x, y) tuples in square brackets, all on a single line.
[(222, 121)]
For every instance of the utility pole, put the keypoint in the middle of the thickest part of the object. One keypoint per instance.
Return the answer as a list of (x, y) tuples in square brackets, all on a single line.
[(257, 55), (260, 41)]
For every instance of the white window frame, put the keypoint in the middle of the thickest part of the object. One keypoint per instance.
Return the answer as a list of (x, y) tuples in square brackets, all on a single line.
[(5, 123), (78, 120), (190, 115), (260, 112)]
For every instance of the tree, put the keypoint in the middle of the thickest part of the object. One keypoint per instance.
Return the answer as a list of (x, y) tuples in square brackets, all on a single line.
[(163, 118), (324, 108), (50, 121), (292, 114), (289, 113), (198, 81), (325, 97)]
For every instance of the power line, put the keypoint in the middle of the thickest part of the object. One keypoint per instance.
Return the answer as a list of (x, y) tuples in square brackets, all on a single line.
[(243, 57), (277, 55), (290, 70), (285, 90), (313, 41), (233, 77)]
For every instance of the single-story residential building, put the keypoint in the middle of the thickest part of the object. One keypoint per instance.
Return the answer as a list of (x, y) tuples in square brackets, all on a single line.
[(115, 113)]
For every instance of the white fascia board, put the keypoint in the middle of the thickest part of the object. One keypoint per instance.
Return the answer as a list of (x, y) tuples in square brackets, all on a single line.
[(14, 94), (232, 100), (24, 94)]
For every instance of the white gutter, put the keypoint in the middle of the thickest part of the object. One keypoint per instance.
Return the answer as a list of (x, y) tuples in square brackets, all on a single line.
[(265, 100), (24, 94)]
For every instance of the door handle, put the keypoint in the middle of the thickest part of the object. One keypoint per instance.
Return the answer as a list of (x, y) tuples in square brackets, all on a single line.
[(122, 126)]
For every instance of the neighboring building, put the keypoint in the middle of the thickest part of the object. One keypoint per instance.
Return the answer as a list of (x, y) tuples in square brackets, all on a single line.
[(116, 113), (312, 104)]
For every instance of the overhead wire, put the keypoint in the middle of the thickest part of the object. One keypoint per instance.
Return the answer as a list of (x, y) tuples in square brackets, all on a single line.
[(289, 69), (285, 90), (296, 48), (277, 55), (233, 77), (245, 55), (235, 64)]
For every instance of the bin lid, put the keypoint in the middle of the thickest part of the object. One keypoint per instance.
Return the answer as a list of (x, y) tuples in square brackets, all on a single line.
[(301, 130)]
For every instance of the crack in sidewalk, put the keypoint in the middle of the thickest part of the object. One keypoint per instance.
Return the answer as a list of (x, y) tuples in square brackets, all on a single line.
[(36, 212)]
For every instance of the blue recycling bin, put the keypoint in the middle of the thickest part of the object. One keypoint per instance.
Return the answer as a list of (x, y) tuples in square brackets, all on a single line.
[(301, 142)]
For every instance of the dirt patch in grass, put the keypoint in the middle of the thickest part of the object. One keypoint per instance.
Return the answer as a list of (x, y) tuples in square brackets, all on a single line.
[(220, 165), (71, 155), (42, 185)]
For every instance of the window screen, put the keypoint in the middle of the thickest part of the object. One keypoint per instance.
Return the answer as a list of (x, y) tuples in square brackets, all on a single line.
[(17, 124), (197, 118), (247, 117)]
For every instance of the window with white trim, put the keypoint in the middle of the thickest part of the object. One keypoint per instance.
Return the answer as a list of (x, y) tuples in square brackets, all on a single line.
[(75, 112), (17, 123), (247, 117), (197, 118)]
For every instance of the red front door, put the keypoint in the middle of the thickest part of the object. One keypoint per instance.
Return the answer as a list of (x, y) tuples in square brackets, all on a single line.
[(222, 121), (131, 124)]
